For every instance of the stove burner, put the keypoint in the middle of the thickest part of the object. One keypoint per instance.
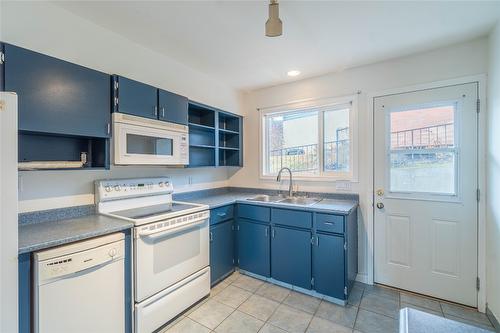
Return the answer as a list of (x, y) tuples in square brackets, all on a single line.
[(150, 211)]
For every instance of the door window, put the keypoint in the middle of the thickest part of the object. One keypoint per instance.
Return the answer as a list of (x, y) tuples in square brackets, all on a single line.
[(423, 150)]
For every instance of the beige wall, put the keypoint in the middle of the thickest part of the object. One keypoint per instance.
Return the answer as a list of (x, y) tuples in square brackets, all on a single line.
[(493, 177), (44, 27), (455, 61)]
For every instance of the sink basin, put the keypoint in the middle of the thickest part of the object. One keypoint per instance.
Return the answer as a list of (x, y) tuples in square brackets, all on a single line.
[(267, 198), (300, 201), (285, 200)]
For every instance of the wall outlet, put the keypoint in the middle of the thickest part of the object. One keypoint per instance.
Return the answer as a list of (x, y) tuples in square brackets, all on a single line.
[(20, 185), (343, 185)]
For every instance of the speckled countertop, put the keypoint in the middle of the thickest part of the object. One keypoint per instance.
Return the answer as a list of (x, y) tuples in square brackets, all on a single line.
[(44, 229), (343, 204), (37, 236)]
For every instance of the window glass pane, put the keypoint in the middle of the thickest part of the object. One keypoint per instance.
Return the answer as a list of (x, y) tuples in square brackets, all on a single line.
[(293, 142), (423, 128), (423, 172), (422, 150), (336, 140), (141, 144)]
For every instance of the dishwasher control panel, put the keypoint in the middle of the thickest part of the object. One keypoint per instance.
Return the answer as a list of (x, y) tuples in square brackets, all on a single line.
[(79, 262)]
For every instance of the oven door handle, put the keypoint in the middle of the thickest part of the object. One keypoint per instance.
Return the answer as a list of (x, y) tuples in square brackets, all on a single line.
[(161, 233)]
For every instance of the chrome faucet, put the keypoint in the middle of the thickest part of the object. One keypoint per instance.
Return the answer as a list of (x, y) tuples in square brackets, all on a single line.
[(278, 179)]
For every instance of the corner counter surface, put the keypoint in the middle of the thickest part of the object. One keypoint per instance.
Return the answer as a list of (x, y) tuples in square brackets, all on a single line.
[(342, 204), (41, 230)]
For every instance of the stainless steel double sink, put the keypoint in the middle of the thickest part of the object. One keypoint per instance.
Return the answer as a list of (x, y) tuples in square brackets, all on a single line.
[(303, 201)]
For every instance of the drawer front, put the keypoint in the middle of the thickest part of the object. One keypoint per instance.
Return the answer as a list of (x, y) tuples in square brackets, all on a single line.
[(330, 223), (253, 212), (293, 218), (220, 214)]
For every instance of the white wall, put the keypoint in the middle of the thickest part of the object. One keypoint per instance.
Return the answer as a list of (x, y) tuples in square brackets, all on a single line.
[(493, 176), (49, 29), (450, 62)]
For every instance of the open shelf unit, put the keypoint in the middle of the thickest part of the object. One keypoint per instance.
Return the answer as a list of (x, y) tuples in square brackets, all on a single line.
[(215, 137), (35, 147)]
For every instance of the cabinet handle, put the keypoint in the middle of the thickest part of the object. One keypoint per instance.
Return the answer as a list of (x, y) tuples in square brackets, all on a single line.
[(163, 112), (273, 233), (329, 223), (155, 111), (221, 214), (211, 236), (267, 231)]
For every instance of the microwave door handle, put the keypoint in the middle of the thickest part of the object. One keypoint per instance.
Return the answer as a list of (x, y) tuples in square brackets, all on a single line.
[(158, 234)]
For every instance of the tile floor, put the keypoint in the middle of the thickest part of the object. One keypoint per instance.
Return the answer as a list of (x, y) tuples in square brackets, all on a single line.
[(242, 304)]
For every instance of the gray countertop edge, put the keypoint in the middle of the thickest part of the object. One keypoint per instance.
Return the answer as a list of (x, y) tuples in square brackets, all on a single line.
[(30, 245)]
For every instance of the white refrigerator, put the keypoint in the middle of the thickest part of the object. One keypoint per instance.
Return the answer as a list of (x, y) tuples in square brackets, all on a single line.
[(8, 213)]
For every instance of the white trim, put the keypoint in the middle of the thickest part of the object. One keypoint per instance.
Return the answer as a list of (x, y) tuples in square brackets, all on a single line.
[(481, 79), (362, 277), (353, 101)]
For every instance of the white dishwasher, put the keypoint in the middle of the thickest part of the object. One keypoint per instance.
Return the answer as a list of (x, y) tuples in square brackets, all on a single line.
[(80, 287)]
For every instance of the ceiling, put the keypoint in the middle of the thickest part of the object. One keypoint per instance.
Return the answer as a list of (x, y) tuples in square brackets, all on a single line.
[(225, 39)]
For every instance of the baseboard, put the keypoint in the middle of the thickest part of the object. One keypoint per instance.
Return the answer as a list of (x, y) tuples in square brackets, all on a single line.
[(363, 278), (493, 319)]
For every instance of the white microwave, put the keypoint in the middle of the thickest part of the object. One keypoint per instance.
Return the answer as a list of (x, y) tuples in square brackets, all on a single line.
[(142, 141)]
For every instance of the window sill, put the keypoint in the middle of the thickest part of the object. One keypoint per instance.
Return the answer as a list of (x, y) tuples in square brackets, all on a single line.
[(330, 179)]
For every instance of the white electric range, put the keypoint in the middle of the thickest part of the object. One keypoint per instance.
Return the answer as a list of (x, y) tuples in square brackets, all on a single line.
[(171, 246)]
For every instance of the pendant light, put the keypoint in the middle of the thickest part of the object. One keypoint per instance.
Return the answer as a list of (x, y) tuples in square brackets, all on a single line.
[(274, 26)]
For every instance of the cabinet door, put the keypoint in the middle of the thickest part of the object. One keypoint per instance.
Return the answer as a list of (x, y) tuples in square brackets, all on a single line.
[(291, 256), (173, 107), (136, 98), (221, 250), (253, 247), (329, 265), (56, 96)]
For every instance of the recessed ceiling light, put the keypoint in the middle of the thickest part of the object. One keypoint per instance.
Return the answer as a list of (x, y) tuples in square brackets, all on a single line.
[(293, 73)]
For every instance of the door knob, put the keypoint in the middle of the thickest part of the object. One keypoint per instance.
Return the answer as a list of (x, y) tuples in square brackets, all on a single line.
[(380, 205), (380, 192)]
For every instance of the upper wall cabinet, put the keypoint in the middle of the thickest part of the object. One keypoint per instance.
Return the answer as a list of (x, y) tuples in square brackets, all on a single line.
[(135, 98), (56, 96), (172, 107), (142, 100)]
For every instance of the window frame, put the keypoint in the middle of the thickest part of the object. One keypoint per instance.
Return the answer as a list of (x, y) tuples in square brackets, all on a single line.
[(305, 106)]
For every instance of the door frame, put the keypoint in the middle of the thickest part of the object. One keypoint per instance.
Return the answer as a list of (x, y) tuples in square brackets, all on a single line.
[(480, 79)]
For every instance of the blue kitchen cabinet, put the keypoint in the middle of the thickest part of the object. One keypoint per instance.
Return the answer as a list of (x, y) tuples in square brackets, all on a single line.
[(253, 245), (57, 97), (221, 250), (329, 265), (172, 107), (291, 256), (134, 98)]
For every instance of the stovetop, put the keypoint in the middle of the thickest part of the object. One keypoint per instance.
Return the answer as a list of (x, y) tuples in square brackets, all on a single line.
[(152, 211)]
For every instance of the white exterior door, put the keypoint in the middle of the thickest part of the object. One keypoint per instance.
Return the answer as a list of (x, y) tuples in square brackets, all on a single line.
[(425, 181)]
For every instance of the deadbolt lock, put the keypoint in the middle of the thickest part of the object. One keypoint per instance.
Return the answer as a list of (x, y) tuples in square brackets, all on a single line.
[(380, 192), (380, 205)]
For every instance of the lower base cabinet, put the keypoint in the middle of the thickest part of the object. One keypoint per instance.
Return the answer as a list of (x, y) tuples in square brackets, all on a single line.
[(253, 247), (329, 265), (291, 256), (221, 250)]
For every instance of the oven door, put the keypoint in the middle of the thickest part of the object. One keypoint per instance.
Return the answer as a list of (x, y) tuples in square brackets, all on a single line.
[(142, 145), (164, 258)]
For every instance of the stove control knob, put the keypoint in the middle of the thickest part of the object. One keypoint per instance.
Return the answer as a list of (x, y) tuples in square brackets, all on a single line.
[(112, 252), (160, 184), (107, 188), (117, 188)]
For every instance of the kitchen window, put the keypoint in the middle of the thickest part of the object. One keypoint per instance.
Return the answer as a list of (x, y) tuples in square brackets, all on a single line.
[(314, 141)]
